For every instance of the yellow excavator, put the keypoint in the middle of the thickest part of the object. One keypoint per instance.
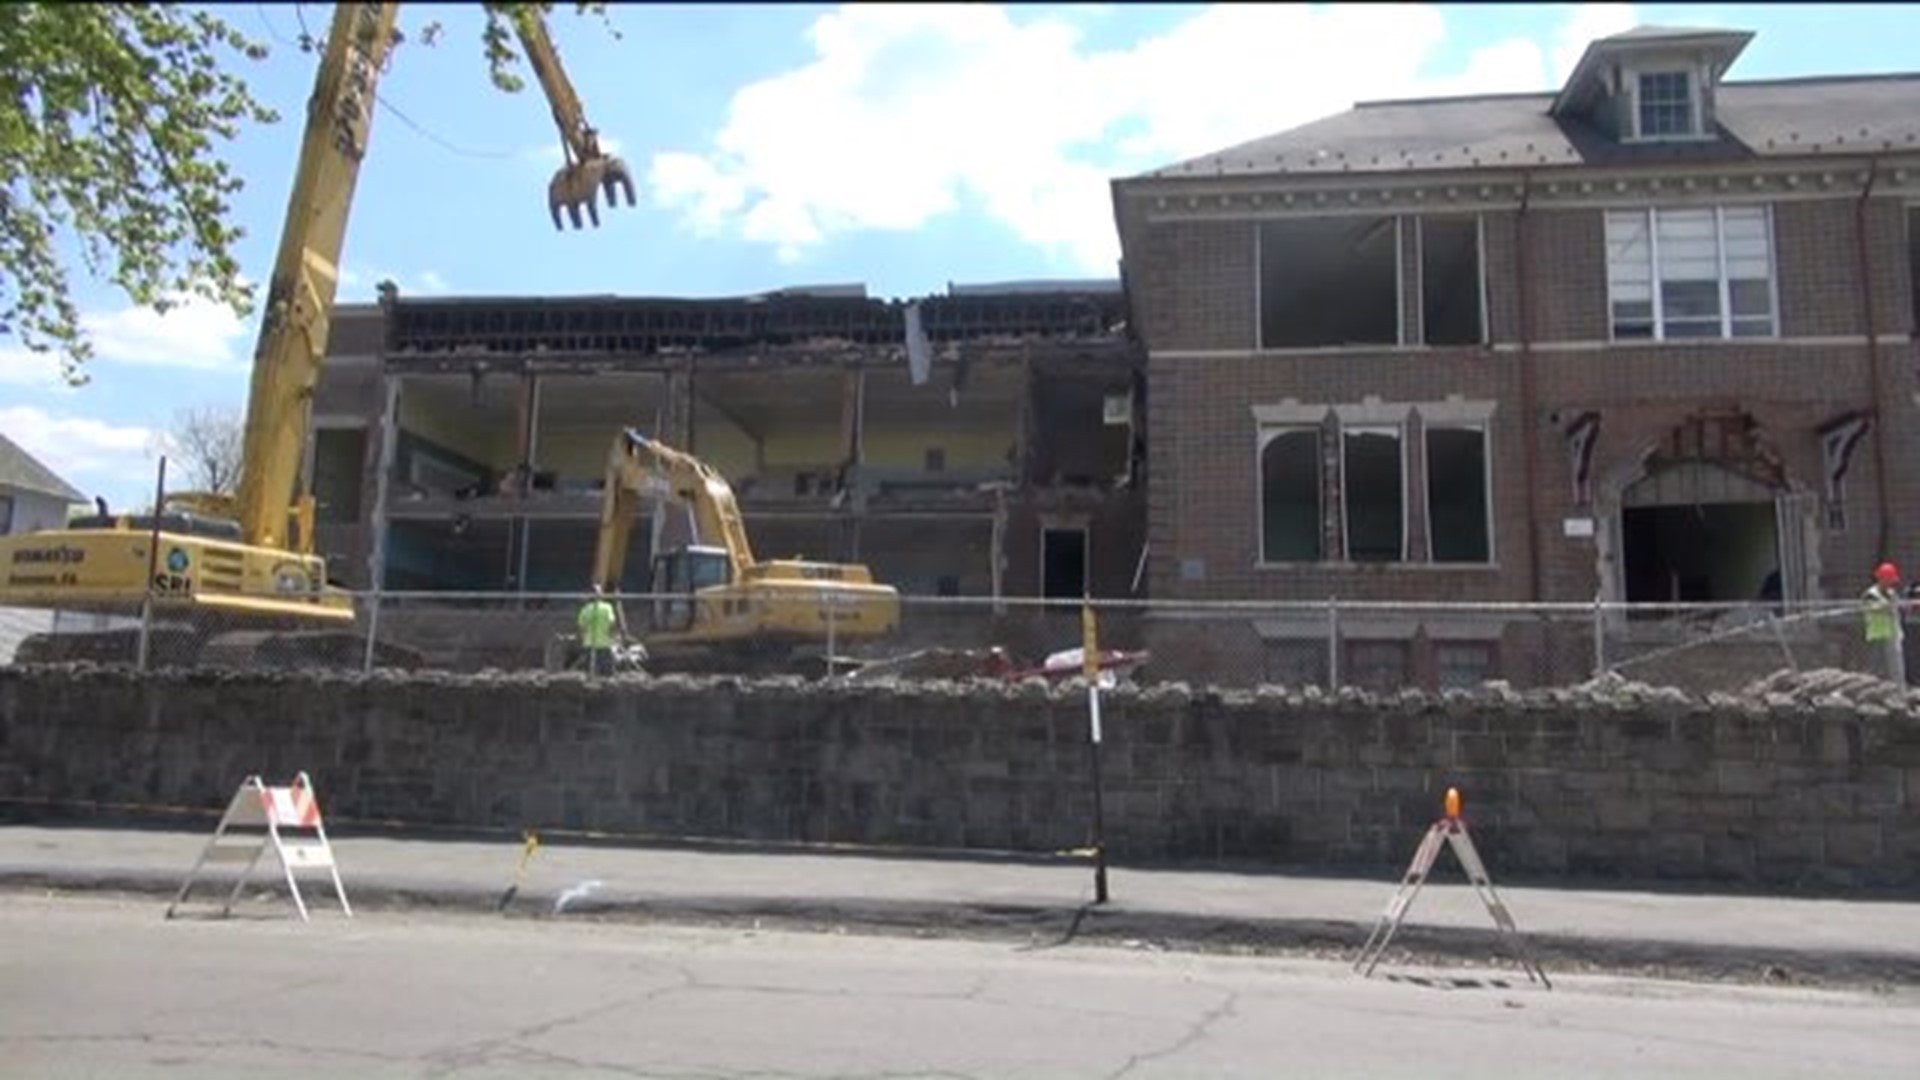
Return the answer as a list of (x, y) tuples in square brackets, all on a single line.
[(714, 605), (238, 573)]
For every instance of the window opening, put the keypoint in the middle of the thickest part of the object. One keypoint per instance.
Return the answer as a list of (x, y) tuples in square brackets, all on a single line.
[(1329, 282), (1450, 280), (1457, 501), (1063, 557), (1290, 526), (1373, 491)]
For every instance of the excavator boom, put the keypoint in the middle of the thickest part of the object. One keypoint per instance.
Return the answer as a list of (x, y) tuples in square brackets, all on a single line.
[(252, 553)]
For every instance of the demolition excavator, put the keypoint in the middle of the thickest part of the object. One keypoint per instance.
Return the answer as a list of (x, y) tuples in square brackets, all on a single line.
[(238, 573), (713, 605)]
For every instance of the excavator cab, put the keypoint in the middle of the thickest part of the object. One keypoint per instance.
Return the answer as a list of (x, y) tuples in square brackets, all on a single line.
[(678, 576)]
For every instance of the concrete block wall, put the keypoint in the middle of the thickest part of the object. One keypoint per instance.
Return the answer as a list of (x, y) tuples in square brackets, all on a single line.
[(1785, 789)]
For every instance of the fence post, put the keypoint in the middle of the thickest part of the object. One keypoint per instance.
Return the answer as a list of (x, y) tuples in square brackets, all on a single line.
[(377, 553), (1599, 636), (1333, 643), (833, 620), (373, 631), (153, 565)]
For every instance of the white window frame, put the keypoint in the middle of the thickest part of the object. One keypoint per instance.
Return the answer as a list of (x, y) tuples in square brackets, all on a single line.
[(1485, 432), (1264, 434), (1696, 122), (1651, 216), (1399, 432)]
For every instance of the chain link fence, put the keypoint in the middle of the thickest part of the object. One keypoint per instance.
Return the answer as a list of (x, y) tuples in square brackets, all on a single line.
[(1375, 646)]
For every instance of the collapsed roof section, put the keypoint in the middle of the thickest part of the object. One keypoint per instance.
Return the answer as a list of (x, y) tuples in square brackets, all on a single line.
[(610, 328)]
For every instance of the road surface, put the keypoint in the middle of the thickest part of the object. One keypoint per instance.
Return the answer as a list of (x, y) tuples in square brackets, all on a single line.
[(95, 986)]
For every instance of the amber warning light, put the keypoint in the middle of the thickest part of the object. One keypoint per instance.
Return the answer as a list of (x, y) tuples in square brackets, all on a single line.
[(1453, 802)]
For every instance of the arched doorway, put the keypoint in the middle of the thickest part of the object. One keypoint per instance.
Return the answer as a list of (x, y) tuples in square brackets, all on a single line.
[(1699, 533), (1711, 519)]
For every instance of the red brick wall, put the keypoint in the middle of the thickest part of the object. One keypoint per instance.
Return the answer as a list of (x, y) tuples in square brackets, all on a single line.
[(1202, 435), (1193, 285)]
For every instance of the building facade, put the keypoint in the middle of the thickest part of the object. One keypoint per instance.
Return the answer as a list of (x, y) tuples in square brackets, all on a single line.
[(982, 443), (1646, 338)]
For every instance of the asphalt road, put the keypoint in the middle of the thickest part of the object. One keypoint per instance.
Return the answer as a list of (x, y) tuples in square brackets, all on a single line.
[(104, 987)]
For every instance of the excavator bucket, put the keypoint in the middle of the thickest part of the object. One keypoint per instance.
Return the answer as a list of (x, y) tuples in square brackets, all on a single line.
[(576, 187)]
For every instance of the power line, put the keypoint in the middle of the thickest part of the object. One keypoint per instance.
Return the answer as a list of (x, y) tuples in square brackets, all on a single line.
[(451, 148), (307, 44)]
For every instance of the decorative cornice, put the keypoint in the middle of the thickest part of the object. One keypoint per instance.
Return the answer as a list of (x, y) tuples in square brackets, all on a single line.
[(1304, 196)]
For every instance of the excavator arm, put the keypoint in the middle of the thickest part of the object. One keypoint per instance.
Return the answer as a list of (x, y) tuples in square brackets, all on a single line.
[(639, 467), (300, 298), (587, 168)]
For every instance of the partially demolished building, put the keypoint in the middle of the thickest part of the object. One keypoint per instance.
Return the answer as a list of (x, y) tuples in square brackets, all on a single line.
[(981, 443), (1649, 337)]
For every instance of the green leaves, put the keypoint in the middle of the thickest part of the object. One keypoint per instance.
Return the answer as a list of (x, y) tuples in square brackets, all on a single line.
[(109, 119), (112, 120), (499, 36)]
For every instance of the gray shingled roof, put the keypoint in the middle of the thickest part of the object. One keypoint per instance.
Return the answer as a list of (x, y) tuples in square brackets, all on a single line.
[(1756, 120), (19, 469)]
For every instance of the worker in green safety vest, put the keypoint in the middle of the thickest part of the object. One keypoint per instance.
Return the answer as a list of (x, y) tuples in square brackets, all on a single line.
[(1885, 634), (596, 621)]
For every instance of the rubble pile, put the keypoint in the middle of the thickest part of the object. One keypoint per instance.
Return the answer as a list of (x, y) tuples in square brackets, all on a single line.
[(1783, 690), (1833, 686)]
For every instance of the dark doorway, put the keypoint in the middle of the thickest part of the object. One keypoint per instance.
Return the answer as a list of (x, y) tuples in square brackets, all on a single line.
[(1063, 560), (1704, 553)]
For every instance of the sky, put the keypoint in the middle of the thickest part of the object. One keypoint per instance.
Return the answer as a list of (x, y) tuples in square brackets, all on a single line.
[(902, 146)]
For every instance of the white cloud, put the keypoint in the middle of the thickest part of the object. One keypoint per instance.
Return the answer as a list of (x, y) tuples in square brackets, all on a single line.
[(24, 367), (432, 282), (76, 446), (908, 110), (1589, 22), (194, 333)]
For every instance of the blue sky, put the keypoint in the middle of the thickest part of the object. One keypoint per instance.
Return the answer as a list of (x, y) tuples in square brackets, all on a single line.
[(901, 146)]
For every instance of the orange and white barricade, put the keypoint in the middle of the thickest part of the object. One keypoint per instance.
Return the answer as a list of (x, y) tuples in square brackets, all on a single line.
[(259, 817)]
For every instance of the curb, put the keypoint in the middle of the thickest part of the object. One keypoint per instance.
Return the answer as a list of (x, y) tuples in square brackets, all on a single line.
[(1047, 926)]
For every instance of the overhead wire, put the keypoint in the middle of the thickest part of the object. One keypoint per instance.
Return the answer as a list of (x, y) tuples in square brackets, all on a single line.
[(308, 43)]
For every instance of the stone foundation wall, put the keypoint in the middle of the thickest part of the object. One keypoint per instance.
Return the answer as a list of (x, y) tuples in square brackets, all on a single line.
[(1809, 780)]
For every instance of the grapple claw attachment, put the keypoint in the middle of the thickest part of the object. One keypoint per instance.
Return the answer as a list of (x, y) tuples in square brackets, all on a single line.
[(579, 186)]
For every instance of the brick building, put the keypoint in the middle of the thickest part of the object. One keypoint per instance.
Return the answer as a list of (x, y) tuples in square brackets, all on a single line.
[(1649, 337), (980, 443)]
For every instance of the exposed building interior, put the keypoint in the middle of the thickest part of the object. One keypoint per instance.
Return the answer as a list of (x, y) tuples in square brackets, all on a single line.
[(1703, 524), (971, 444), (1338, 281)]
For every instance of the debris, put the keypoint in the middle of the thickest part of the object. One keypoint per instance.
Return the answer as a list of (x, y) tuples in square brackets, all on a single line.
[(578, 892)]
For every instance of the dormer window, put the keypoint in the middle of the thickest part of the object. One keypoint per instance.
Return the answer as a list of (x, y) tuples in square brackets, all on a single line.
[(1666, 106), (1650, 84)]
